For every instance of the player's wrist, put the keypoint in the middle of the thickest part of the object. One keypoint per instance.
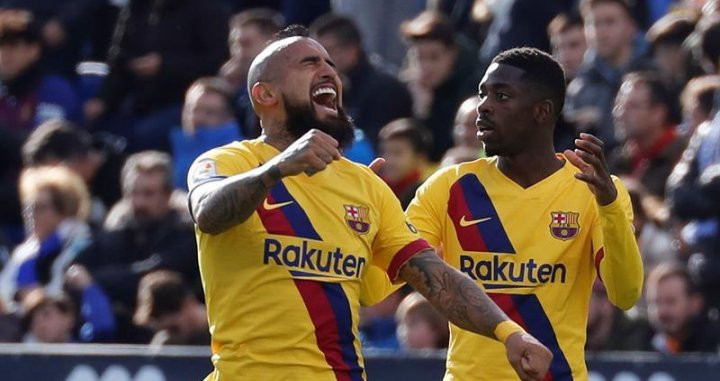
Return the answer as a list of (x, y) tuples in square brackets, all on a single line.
[(505, 329)]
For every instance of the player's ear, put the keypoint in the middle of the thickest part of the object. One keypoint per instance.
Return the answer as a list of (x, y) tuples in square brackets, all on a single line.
[(544, 111), (263, 94)]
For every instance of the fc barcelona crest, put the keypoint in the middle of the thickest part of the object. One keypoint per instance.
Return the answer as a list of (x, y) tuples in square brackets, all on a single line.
[(564, 225), (357, 218)]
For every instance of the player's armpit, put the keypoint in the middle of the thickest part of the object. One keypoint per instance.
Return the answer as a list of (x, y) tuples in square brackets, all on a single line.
[(219, 205), (453, 294)]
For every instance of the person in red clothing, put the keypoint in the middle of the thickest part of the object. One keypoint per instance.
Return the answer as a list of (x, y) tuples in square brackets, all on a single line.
[(652, 145)]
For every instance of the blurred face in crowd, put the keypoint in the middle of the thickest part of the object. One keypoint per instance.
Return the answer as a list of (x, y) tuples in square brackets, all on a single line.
[(345, 56), (148, 195), (609, 30), (178, 325), (600, 309), (311, 92), (246, 42), (670, 306), (464, 130), (401, 160), (204, 109), (15, 57), (50, 324), (432, 61), (636, 118), (670, 60), (568, 48), (41, 215), (416, 332)]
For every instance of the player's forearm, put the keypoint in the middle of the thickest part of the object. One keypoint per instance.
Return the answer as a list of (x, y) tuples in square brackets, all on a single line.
[(229, 202), (455, 295), (621, 268)]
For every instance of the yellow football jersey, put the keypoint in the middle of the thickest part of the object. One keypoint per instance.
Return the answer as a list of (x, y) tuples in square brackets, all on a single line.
[(535, 251), (283, 287)]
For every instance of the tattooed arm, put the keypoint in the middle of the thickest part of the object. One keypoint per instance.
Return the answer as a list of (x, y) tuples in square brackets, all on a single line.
[(220, 205), (453, 294), (467, 306)]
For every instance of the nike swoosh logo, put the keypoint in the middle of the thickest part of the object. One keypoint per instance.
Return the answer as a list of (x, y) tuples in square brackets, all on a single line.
[(269, 206), (465, 223)]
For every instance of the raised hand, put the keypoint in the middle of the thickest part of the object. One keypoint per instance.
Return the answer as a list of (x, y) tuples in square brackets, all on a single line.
[(530, 359), (590, 159), (311, 153)]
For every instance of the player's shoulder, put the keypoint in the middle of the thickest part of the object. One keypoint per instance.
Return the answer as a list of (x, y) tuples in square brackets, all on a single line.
[(233, 152), (452, 173)]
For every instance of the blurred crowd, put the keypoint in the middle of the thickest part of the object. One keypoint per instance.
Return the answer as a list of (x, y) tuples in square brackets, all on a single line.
[(104, 104)]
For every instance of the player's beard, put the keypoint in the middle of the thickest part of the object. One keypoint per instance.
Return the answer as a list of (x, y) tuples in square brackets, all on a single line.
[(300, 119)]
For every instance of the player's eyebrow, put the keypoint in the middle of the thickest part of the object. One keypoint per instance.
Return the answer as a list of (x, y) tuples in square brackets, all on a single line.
[(316, 59)]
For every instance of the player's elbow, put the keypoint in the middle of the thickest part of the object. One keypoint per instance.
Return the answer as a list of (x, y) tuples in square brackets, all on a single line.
[(206, 223), (628, 297)]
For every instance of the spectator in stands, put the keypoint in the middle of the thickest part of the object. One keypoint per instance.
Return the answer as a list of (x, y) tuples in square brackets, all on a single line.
[(64, 28), (675, 310), (377, 325), (697, 102), (695, 183), (457, 155), (642, 120), (207, 122), (364, 79), (611, 329), (250, 30), (60, 142), (614, 48), (161, 47), (29, 96), (10, 328), (567, 40), (464, 130), (167, 305), (56, 204), (671, 56), (149, 229), (97, 319), (419, 325), (405, 144), (440, 74)]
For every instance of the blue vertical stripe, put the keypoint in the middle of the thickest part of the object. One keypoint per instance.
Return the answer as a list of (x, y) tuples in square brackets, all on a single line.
[(294, 213), (343, 316), (480, 205), (539, 326)]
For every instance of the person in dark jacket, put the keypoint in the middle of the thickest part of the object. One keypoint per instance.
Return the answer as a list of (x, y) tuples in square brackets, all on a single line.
[(371, 96), (614, 49), (148, 229), (442, 72), (160, 47)]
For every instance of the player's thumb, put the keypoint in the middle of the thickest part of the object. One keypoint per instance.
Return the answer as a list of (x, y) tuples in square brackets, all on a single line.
[(377, 164)]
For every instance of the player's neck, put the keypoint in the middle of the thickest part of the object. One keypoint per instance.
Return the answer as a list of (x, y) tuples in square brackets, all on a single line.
[(276, 134), (529, 168)]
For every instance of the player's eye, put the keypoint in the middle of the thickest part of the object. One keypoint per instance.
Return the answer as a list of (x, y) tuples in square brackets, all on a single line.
[(501, 96)]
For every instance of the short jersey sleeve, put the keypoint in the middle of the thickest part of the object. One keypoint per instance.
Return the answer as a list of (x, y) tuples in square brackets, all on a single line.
[(220, 163), (397, 240), (428, 209)]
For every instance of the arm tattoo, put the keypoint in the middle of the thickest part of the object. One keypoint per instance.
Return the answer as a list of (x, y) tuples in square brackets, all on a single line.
[(452, 293), (231, 201)]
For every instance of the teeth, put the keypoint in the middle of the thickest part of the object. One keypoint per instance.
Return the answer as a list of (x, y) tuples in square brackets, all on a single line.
[(324, 90)]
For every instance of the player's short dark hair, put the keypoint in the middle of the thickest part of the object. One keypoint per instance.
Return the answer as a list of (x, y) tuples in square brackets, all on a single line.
[(160, 293), (266, 20), (410, 130), (542, 72), (671, 29), (587, 5), (340, 27), (294, 30), (429, 25), (55, 139), (564, 22)]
